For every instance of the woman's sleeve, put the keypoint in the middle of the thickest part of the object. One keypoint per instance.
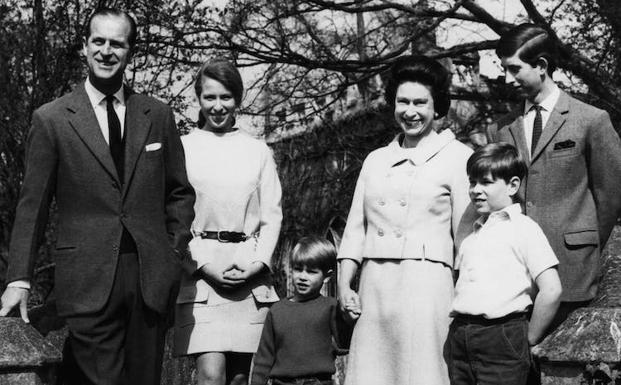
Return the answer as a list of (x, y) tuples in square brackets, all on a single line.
[(270, 210), (463, 214), (352, 244), (264, 358)]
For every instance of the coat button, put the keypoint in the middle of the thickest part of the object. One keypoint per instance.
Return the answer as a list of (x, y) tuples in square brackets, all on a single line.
[(529, 204), (381, 202), (380, 232), (403, 203), (398, 233)]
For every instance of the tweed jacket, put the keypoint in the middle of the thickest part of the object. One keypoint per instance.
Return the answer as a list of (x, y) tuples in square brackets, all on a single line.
[(573, 187), (409, 203), (67, 158)]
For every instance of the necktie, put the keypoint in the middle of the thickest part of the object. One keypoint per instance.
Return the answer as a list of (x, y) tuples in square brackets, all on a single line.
[(537, 127), (114, 137)]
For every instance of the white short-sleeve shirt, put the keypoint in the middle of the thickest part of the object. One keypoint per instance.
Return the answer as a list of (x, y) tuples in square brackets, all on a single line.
[(498, 264)]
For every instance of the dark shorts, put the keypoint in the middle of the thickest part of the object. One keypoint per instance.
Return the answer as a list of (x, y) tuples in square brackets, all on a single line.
[(489, 352)]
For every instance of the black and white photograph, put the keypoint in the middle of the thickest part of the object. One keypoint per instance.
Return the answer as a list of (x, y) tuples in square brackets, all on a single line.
[(310, 192)]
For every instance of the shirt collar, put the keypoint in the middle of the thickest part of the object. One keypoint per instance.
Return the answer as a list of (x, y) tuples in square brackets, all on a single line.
[(96, 97), (422, 154), (548, 103), (505, 214)]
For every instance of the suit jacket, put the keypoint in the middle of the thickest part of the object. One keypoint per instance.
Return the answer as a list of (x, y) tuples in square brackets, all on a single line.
[(409, 203), (67, 158), (573, 185)]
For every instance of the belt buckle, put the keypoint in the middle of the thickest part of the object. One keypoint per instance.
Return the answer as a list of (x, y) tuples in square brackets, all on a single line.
[(222, 234)]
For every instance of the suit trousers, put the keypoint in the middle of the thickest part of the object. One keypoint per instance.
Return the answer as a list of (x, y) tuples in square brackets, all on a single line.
[(121, 344)]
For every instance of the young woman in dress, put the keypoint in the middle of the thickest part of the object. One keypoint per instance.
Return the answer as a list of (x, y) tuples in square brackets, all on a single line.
[(225, 295), (406, 209)]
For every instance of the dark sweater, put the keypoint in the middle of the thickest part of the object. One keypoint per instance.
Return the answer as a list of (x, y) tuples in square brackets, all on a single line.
[(298, 340)]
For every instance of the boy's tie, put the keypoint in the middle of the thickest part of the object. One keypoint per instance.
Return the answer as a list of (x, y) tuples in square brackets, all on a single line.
[(537, 127)]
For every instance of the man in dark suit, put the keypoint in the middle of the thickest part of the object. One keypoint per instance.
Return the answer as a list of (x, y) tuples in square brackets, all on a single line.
[(113, 161), (574, 155)]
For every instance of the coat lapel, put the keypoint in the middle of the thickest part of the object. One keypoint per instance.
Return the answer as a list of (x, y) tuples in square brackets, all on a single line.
[(137, 128), (517, 131), (556, 121), (84, 122)]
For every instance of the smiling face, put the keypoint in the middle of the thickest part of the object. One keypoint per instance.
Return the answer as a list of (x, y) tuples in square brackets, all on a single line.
[(107, 51), (307, 282), (489, 194), (217, 106), (527, 80), (414, 110)]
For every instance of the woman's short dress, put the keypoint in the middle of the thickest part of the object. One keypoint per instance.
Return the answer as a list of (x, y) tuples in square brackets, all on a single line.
[(237, 189)]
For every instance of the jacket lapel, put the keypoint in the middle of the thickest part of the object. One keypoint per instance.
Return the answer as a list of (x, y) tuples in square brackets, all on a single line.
[(137, 128), (517, 131), (84, 122), (556, 121)]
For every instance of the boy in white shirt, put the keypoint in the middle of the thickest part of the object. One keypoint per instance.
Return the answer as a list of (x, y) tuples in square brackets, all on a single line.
[(502, 266)]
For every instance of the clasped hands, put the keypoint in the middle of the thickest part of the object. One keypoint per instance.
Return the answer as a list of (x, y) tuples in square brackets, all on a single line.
[(350, 304), (231, 276)]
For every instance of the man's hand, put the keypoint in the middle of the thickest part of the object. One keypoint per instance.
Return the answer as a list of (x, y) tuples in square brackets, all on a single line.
[(12, 297)]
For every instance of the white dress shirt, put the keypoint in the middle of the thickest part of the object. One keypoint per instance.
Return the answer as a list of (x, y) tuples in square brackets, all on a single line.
[(98, 101), (547, 105)]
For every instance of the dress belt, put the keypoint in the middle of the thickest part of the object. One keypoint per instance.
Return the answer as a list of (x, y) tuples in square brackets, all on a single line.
[(222, 236)]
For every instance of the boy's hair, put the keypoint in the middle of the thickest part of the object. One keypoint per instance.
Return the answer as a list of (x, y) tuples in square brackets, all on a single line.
[(531, 42), (314, 252), (502, 160)]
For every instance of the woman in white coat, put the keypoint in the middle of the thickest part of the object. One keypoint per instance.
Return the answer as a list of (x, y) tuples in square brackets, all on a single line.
[(407, 207)]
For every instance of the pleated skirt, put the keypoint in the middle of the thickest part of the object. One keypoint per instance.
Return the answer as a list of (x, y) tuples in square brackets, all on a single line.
[(233, 326)]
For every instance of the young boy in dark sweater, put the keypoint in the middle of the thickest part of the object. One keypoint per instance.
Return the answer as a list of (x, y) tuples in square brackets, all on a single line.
[(298, 344)]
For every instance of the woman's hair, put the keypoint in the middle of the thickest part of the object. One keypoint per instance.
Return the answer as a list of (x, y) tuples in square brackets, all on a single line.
[(423, 70), (224, 72), (502, 160), (314, 252), (531, 42)]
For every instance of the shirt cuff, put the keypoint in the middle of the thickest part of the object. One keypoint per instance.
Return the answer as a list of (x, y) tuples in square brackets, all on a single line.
[(22, 284)]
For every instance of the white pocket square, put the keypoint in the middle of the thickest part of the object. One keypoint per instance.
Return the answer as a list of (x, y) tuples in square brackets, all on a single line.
[(153, 147)]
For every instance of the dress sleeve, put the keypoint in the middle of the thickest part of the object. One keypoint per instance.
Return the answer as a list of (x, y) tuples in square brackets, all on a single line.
[(270, 193), (264, 358), (352, 244)]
